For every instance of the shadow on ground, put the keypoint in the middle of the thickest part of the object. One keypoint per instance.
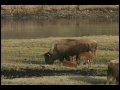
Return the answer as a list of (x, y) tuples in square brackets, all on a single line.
[(28, 72)]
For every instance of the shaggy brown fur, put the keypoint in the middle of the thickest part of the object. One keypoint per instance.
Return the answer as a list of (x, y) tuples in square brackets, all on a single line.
[(113, 72), (65, 48)]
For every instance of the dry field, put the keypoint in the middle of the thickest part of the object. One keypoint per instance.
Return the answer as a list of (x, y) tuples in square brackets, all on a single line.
[(22, 62)]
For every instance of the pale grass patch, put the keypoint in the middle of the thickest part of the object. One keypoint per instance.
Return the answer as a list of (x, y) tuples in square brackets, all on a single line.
[(56, 80)]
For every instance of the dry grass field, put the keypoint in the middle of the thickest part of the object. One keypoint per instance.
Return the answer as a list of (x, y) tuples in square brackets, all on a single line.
[(22, 62)]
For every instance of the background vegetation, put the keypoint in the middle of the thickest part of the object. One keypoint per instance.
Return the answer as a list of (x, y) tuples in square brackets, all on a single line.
[(60, 11)]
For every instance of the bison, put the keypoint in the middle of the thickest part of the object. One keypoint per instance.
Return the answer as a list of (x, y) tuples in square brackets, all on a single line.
[(65, 48), (113, 72), (87, 57), (69, 64)]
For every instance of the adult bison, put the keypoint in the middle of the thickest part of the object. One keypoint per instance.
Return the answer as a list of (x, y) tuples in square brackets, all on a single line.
[(113, 72), (64, 49)]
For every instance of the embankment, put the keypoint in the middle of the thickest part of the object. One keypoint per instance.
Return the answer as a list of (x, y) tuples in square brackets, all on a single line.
[(59, 11)]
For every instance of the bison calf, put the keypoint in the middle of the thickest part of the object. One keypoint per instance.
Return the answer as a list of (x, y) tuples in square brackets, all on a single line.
[(69, 64), (86, 56), (113, 72)]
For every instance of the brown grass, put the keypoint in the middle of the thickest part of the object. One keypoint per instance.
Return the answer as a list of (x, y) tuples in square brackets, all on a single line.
[(56, 80), (58, 9), (23, 58)]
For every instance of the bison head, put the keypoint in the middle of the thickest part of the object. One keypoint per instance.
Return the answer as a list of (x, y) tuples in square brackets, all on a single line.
[(49, 58)]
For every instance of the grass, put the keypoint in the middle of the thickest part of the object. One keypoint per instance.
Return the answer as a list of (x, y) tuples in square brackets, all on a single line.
[(59, 10), (28, 70), (56, 80), (33, 49), (23, 58)]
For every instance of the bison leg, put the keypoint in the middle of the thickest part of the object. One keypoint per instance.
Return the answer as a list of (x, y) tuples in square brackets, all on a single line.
[(109, 79), (94, 56), (117, 79), (94, 59), (72, 58), (89, 63), (78, 59), (61, 60), (114, 80), (67, 58)]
